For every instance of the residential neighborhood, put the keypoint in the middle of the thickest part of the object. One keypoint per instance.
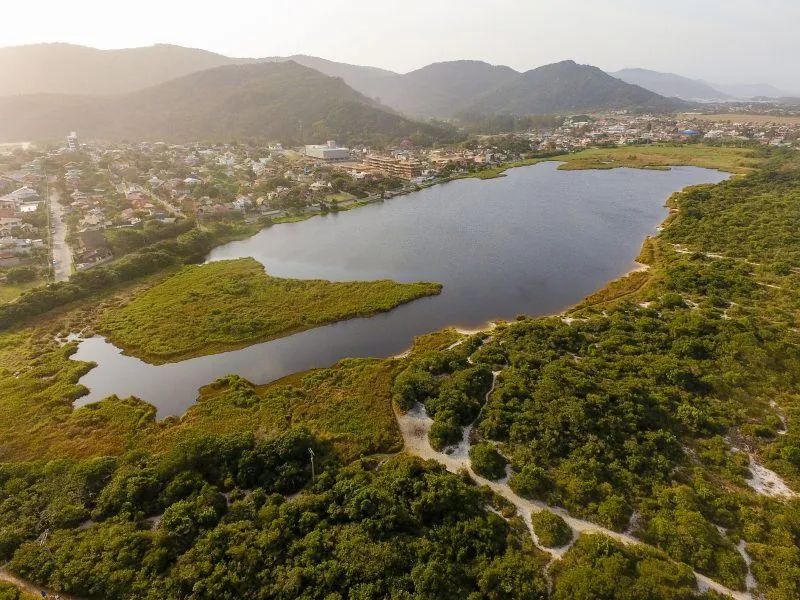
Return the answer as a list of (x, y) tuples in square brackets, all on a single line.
[(112, 198)]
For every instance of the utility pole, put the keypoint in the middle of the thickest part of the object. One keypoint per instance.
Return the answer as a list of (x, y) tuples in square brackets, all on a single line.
[(313, 475)]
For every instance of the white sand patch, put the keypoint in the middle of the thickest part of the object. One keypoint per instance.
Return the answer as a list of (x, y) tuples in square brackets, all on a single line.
[(456, 344), (750, 580), (767, 482), (489, 327)]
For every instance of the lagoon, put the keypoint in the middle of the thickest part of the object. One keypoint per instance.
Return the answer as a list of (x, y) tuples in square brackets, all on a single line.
[(533, 242)]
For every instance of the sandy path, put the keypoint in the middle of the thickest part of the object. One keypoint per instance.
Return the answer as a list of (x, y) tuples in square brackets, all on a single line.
[(414, 427), (31, 588)]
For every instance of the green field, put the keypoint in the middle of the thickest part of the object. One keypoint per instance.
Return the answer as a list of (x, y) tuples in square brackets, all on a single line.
[(733, 160), (230, 304), (347, 406), (11, 291), (730, 159)]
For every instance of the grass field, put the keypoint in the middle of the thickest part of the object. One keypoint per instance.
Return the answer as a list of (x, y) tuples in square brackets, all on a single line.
[(230, 304), (732, 160), (348, 406), (10, 291)]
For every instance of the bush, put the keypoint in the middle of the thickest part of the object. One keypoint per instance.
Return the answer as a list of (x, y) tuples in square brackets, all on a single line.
[(21, 275), (487, 462), (530, 482), (445, 431), (551, 530)]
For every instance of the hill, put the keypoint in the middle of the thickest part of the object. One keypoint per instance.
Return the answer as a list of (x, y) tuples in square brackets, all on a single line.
[(565, 87), (752, 90), (672, 85), (71, 69), (441, 89), (370, 81), (283, 101)]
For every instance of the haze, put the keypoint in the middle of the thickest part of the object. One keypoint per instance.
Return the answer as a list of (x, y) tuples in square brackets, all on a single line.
[(727, 41)]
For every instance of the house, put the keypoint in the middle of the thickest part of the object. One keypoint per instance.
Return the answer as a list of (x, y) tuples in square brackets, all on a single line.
[(242, 203), (24, 194)]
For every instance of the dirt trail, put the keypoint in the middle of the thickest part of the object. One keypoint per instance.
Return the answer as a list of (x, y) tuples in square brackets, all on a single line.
[(32, 588), (414, 427)]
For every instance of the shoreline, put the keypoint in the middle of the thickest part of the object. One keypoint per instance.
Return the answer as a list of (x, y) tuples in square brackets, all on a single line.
[(491, 324)]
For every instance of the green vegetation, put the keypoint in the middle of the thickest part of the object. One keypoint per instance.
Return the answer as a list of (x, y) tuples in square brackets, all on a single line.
[(9, 591), (162, 528), (347, 406), (228, 304), (740, 160), (550, 529), (731, 159), (639, 411), (635, 403), (186, 248), (598, 567), (487, 461), (266, 101), (11, 291)]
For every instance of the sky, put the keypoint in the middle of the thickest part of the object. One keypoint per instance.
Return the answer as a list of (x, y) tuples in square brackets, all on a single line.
[(725, 41)]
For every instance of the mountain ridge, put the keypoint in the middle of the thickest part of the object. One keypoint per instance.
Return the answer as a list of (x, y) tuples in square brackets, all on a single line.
[(285, 101), (672, 85)]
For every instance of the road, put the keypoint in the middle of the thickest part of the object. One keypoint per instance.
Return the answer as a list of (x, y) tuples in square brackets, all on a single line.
[(62, 253)]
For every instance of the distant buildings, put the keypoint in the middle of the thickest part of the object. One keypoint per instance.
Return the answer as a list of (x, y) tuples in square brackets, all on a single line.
[(72, 141), (329, 151)]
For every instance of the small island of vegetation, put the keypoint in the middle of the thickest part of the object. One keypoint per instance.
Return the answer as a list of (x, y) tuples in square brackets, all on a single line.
[(229, 304)]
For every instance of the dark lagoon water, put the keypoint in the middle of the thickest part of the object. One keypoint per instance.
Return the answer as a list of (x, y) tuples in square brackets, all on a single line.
[(533, 242)]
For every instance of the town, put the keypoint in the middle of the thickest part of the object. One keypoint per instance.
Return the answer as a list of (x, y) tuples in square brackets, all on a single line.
[(82, 204)]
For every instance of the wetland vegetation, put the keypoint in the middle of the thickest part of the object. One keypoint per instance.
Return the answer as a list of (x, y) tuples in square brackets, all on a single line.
[(642, 410)]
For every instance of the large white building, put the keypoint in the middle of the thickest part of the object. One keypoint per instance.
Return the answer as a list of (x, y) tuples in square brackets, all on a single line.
[(328, 151), (72, 141)]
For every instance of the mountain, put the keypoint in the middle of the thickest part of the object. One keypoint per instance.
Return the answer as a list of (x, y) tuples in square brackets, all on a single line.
[(671, 85), (273, 100), (441, 89), (70, 69), (449, 89), (367, 80), (751, 90), (568, 87)]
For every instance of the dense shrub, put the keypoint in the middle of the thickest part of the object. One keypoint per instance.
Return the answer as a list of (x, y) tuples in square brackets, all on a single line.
[(487, 461), (550, 529)]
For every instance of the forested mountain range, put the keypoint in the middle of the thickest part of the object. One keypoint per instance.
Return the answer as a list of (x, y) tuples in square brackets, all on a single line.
[(441, 90), (285, 101)]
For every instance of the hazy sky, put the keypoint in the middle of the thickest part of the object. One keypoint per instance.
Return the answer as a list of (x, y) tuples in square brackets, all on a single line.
[(729, 41)]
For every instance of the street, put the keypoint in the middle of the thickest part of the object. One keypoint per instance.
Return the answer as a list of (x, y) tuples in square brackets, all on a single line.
[(62, 253)]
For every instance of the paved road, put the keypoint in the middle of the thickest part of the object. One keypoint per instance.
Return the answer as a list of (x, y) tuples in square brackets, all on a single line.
[(62, 253)]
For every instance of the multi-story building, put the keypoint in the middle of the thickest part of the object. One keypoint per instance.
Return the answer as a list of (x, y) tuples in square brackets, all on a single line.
[(72, 141), (405, 168)]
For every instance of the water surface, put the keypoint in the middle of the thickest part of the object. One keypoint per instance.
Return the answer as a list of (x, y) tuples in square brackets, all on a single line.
[(533, 242)]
